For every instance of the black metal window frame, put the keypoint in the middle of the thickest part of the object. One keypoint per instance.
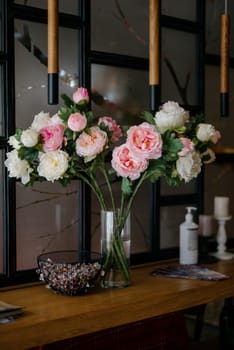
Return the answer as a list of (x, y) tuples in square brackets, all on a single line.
[(87, 57)]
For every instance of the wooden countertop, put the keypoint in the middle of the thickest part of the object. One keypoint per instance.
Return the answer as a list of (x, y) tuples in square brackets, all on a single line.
[(50, 317)]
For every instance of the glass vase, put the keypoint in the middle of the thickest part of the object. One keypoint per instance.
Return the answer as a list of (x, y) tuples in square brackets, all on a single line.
[(115, 248)]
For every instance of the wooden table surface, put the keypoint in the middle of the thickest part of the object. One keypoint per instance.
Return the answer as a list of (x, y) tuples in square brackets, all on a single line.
[(50, 317)]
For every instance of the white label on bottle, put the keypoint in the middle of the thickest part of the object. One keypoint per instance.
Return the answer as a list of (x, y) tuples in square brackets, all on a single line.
[(192, 240), (188, 245)]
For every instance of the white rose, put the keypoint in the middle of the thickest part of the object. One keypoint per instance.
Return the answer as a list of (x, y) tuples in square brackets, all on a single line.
[(170, 117), (56, 120), (53, 165), (14, 142), (40, 121), (17, 167), (29, 137), (189, 166), (205, 132)]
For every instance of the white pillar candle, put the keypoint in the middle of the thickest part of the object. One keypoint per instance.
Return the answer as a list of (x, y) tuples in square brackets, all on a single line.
[(205, 225), (221, 207)]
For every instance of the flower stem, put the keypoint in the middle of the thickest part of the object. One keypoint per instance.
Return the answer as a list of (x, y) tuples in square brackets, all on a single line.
[(95, 189), (103, 170), (140, 182)]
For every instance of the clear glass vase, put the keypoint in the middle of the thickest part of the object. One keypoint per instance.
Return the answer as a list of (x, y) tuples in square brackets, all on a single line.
[(115, 247)]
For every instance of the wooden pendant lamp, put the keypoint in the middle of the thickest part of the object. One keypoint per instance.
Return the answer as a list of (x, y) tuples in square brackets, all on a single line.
[(52, 52), (154, 55), (224, 67)]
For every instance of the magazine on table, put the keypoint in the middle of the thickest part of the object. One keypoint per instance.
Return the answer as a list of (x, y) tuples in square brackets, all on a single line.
[(196, 272), (9, 310)]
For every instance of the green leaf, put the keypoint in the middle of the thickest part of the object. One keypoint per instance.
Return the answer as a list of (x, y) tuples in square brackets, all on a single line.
[(68, 134), (18, 134), (174, 145), (111, 171), (72, 170), (170, 157), (148, 117), (67, 101), (64, 113), (64, 181), (156, 169), (89, 117), (29, 154), (124, 129), (126, 186), (173, 181), (88, 131), (191, 127)]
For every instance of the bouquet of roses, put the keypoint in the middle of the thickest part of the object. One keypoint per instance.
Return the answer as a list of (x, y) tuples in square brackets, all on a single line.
[(71, 145)]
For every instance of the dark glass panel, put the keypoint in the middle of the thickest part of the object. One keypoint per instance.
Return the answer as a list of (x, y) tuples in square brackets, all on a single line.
[(183, 9), (122, 92), (170, 219), (46, 220), (31, 69), (214, 10), (179, 59), (212, 106), (117, 28), (68, 6)]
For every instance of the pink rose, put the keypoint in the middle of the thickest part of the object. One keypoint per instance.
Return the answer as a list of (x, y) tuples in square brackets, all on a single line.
[(89, 145), (124, 163), (77, 122), (52, 137), (112, 126), (188, 146), (81, 94), (215, 138), (145, 141)]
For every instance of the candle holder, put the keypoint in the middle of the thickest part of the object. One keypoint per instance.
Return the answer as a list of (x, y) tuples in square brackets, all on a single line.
[(221, 253)]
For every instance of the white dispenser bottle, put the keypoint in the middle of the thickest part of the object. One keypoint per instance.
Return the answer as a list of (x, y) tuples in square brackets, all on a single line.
[(189, 239)]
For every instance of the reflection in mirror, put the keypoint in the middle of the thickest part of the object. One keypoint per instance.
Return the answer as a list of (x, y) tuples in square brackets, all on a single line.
[(179, 71), (166, 190), (39, 3), (119, 92), (129, 29), (185, 10), (170, 219), (46, 220), (46, 214), (214, 10), (31, 55), (68, 6), (212, 107)]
